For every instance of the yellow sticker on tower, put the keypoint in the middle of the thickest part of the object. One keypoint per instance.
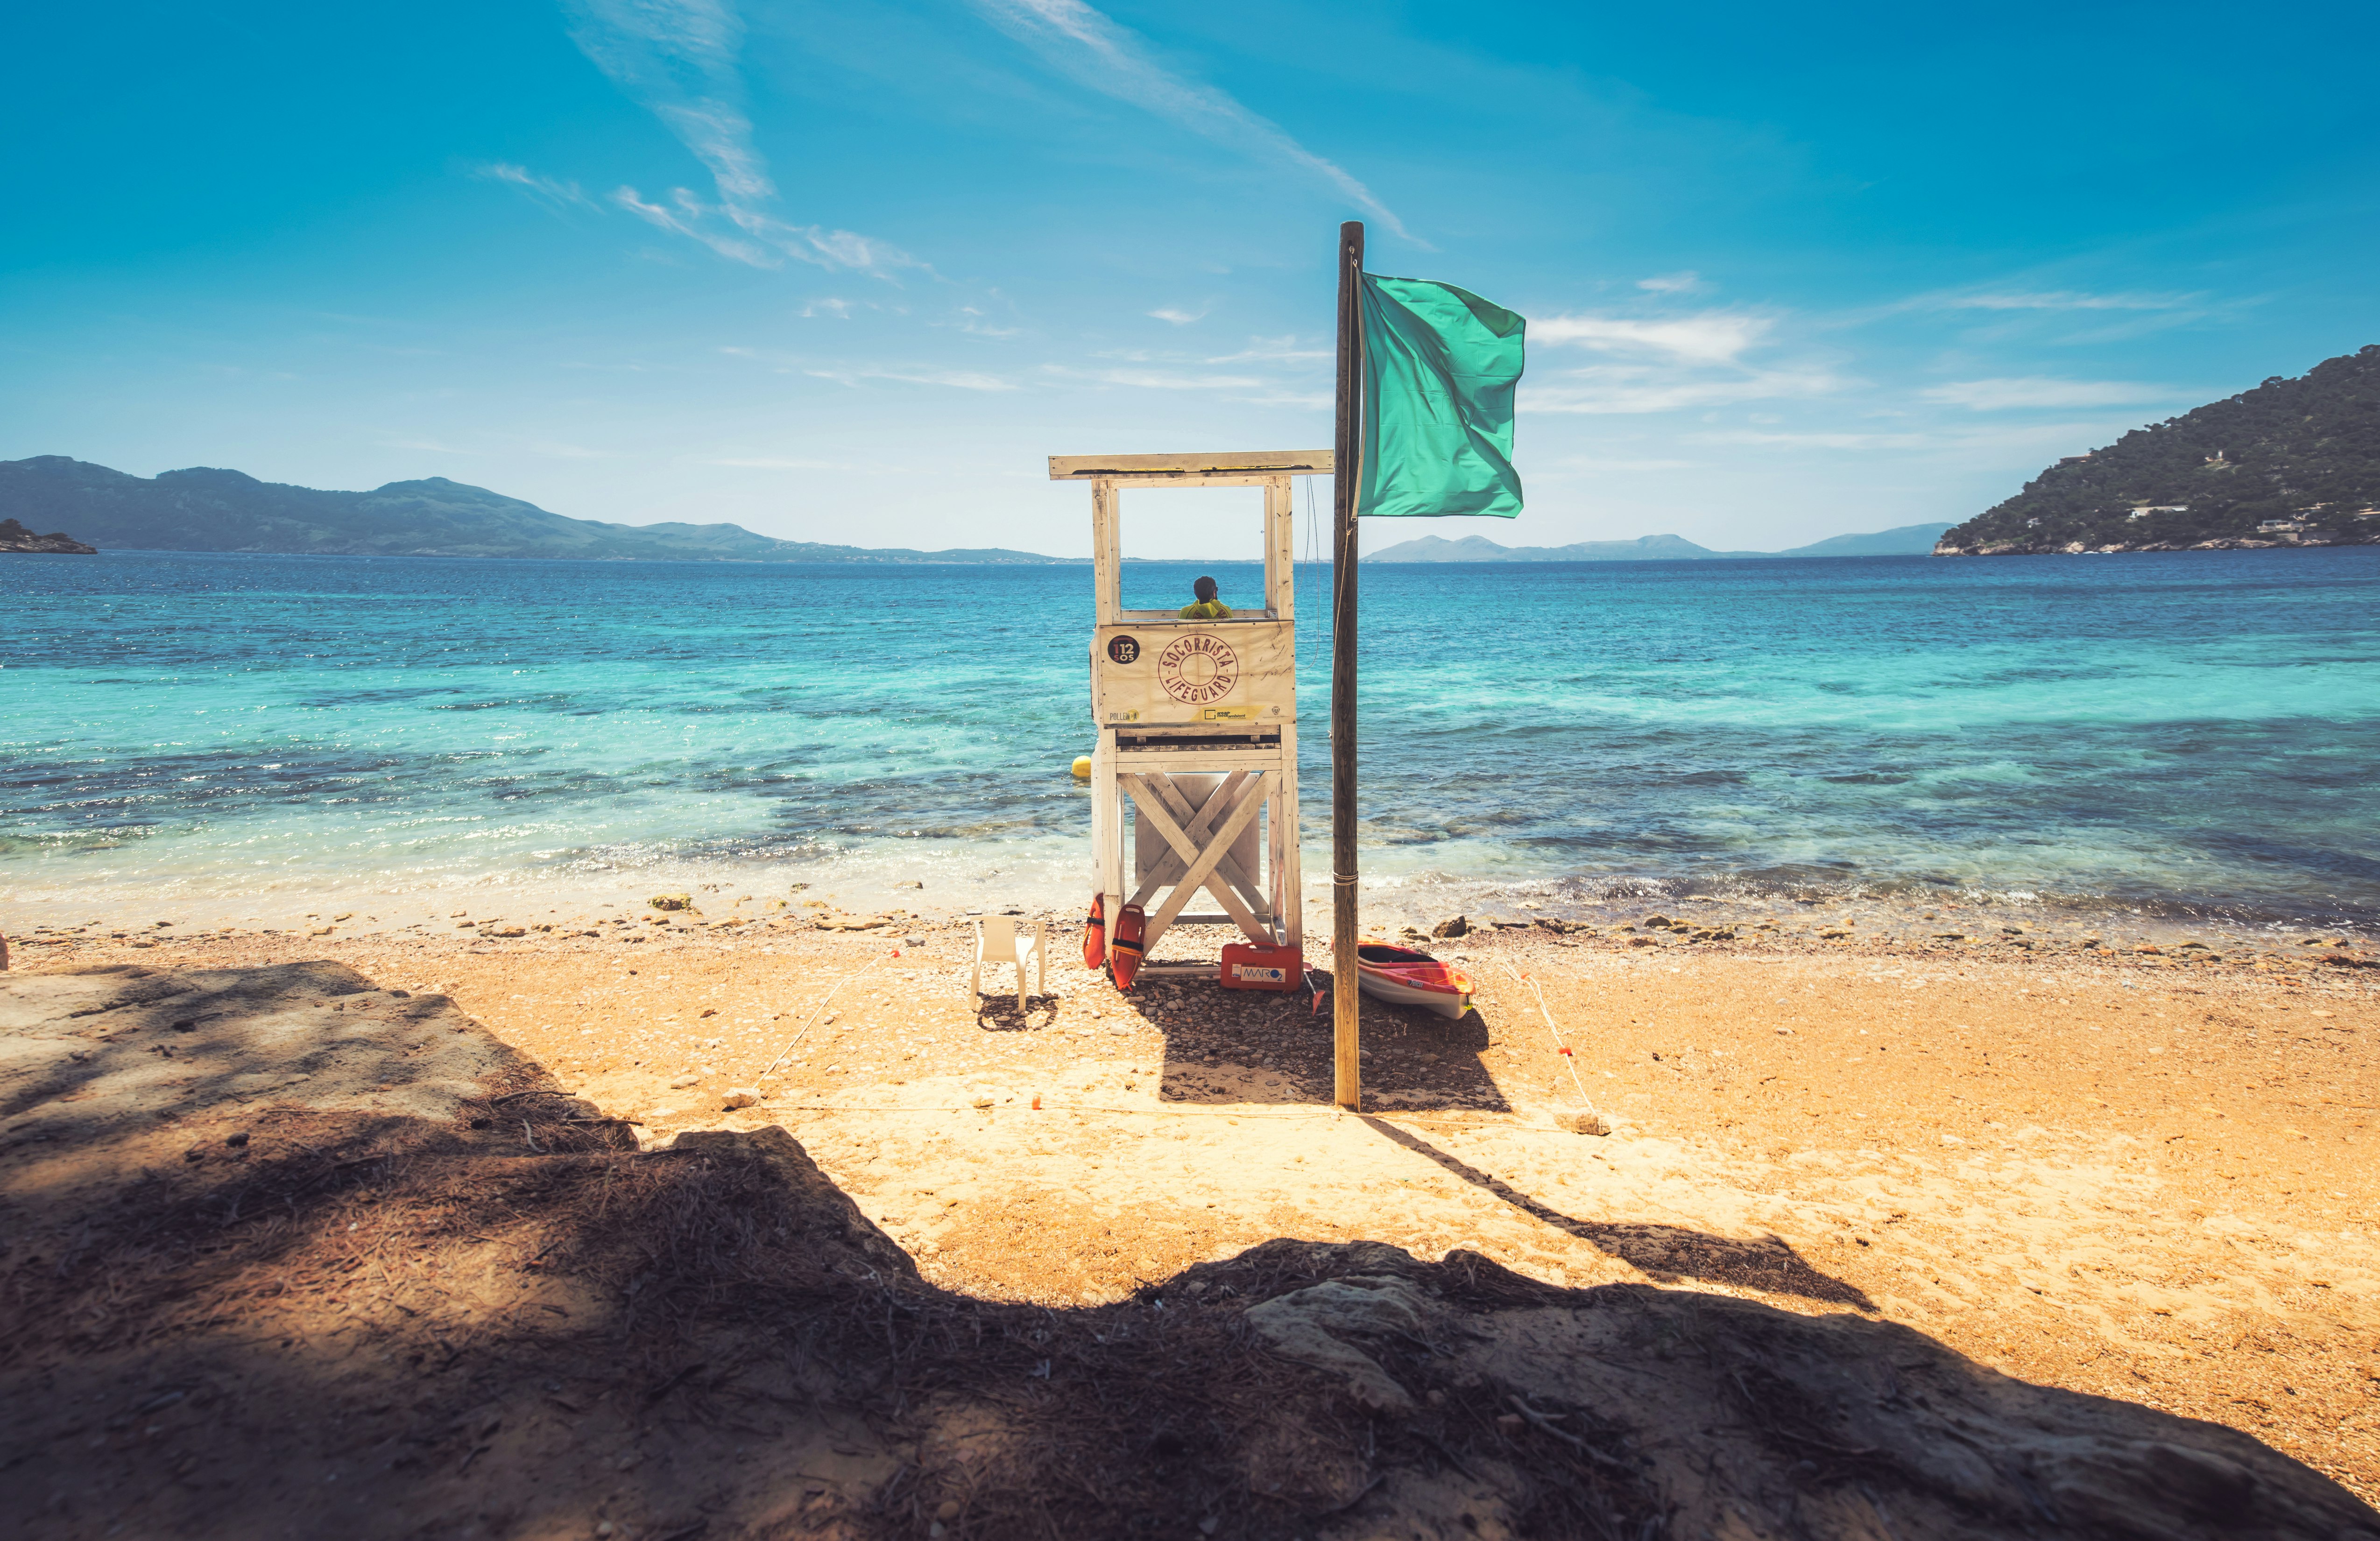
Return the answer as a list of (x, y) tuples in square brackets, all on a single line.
[(1226, 714)]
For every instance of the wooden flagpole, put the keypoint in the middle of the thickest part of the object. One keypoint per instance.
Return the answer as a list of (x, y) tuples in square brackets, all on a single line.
[(1346, 1046)]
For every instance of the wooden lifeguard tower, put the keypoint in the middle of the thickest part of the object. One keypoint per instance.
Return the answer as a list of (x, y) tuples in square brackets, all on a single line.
[(1197, 720)]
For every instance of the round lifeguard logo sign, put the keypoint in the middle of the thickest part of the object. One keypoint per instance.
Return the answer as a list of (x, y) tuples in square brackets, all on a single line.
[(1198, 669)]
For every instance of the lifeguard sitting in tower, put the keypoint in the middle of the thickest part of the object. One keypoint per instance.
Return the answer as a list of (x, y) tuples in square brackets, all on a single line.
[(1208, 608)]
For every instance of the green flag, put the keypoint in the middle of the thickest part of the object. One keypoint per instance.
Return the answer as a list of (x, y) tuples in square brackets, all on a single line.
[(1439, 368)]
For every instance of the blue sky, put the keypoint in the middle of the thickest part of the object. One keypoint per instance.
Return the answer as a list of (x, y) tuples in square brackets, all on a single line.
[(848, 273)]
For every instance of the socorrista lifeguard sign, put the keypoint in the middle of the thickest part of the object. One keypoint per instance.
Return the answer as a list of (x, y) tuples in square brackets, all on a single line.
[(1197, 670)]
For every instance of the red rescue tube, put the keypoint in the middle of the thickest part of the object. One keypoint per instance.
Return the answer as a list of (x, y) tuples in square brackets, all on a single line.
[(1094, 933), (1123, 953)]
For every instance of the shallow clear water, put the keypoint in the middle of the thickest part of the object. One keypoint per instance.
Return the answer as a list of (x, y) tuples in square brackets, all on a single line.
[(2190, 733)]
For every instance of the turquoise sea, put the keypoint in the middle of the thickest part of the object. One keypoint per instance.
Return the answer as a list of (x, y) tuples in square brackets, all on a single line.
[(2185, 735)]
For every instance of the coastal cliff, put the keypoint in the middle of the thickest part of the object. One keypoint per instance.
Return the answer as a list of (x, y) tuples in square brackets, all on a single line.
[(2294, 462), (16, 540)]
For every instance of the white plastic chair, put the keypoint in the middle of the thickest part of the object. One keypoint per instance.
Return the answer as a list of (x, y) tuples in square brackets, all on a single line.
[(997, 941)]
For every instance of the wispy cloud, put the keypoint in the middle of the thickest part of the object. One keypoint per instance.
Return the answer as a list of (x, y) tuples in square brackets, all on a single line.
[(1711, 337), (1178, 316), (956, 380), (1581, 463), (1683, 283), (2039, 391), (1286, 350), (1666, 364), (678, 59), (1161, 380), (975, 323), (1621, 389), (429, 446), (1096, 53), (557, 450), (1815, 439), (2060, 299), (776, 462), (545, 190)]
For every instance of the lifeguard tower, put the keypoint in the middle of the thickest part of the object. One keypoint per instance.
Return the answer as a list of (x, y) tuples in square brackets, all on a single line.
[(1197, 720)]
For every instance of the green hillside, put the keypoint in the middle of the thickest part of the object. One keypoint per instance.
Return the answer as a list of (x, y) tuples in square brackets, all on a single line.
[(2293, 462), (205, 509)]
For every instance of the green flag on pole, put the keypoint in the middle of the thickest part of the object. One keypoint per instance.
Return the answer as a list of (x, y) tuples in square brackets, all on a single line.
[(1439, 368)]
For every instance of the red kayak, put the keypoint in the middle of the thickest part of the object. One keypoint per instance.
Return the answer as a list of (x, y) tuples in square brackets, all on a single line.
[(1412, 978)]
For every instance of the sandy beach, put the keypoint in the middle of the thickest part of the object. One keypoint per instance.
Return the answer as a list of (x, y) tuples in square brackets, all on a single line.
[(2143, 1175)]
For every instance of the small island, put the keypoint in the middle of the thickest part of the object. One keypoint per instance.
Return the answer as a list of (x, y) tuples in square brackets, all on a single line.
[(15, 537)]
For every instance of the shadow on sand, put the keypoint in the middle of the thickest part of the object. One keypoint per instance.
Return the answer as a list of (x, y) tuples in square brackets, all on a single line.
[(370, 1324)]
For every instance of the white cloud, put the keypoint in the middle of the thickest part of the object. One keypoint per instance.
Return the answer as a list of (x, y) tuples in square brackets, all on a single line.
[(1178, 316), (957, 380), (1817, 440), (1314, 401), (839, 308), (2062, 299), (1285, 350), (770, 462), (545, 189), (2036, 391), (1114, 60), (678, 59), (1683, 283), (973, 321), (567, 452), (430, 445), (1621, 389), (1160, 379), (1711, 337)]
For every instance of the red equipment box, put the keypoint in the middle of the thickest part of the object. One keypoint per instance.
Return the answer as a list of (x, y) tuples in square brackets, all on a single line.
[(1252, 966)]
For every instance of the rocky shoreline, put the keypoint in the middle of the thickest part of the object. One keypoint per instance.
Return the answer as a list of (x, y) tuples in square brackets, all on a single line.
[(2113, 548), (14, 538)]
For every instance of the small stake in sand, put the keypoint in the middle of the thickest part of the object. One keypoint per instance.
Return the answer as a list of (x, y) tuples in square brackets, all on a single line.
[(821, 1007), (1592, 1122)]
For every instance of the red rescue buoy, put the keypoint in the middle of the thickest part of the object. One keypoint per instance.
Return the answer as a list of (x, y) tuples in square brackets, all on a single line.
[(1094, 933), (1123, 954)]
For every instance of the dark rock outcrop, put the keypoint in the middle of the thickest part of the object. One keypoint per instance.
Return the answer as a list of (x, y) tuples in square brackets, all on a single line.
[(14, 538)]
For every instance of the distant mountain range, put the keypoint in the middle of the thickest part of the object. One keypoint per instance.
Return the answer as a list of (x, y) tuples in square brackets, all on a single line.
[(1907, 541), (207, 510), (211, 510), (2292, 462)]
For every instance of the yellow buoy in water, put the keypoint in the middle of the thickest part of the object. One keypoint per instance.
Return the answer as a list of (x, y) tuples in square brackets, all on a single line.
[(1082, 768)]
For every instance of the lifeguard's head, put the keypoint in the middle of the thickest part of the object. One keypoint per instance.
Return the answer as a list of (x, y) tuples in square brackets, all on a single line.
[(1205, 590)]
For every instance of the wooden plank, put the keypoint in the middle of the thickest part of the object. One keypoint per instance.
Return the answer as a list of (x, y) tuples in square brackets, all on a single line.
[(1196, 879), (1107, 554), (1166, 468), (1281, 550), (1152, 801), (1187, 814), (1183, 763), (1289, 903), (1195, 821)]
